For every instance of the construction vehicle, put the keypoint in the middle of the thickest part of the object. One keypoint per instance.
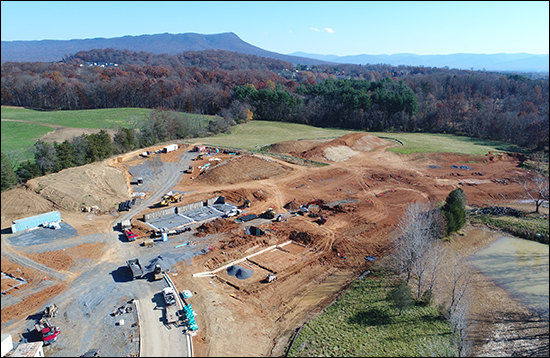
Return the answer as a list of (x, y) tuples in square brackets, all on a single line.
[(246, 203), (281, 217), (125, 224), (171, 198), (171, 308), (130, 235), (48, 333), (268, 214), (199, 157), (169, 297), (157, 272), (189, 170), (50, 311), (135, 268), (270, 278)]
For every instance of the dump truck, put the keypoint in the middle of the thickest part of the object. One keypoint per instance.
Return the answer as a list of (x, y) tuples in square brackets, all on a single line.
[(47, 332), (171, 198), (135, 268)]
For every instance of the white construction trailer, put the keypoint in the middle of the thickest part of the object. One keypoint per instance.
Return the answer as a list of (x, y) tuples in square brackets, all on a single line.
[(170, 148)]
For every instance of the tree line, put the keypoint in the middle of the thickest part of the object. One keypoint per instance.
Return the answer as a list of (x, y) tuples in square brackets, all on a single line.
[(160, 125), (498, 106)]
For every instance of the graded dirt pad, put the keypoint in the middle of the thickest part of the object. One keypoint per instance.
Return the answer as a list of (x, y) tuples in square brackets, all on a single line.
[(63, 259), (242, 169)]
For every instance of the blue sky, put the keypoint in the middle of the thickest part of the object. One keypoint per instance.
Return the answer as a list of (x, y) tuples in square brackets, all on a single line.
[(322, 27)]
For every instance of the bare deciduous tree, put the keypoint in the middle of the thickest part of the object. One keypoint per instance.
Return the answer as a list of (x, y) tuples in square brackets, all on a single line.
[(536, 181), (416, 240)]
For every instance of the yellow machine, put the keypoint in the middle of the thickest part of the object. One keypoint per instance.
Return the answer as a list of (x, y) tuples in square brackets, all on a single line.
[(171, 198)]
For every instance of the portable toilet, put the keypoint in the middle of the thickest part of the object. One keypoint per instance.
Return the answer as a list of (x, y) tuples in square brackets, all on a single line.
[(164, 236)]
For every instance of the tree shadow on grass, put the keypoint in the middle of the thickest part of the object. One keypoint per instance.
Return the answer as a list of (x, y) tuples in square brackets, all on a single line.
[(371, 317)]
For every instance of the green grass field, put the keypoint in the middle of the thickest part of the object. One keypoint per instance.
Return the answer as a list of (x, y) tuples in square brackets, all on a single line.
[(362, 323), (89, 118), (260, 133), (18, 138), (446, 143)]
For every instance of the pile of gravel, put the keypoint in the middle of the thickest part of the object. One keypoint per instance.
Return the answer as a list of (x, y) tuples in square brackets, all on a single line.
[(240, 272)]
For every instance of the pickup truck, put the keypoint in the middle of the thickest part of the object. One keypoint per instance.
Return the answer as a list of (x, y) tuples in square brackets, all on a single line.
[(135, 267), (233, 212), (130, 235)]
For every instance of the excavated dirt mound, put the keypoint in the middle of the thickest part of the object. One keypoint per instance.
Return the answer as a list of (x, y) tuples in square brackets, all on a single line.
[(88, 185), (339, 149), (238, 196), (243, 169), (217, 226), (296, 147), (23, 202)]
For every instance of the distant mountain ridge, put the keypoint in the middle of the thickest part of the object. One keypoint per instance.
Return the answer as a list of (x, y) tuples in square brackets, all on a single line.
[(465, 61), (55, 50)]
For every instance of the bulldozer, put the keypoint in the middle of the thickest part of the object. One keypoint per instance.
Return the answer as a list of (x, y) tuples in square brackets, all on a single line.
[(170, 198)]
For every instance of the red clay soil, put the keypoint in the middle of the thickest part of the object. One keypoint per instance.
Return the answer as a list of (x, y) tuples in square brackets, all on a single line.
[(372, 186)]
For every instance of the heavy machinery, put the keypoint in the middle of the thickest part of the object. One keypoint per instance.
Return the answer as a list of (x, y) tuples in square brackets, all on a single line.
[(157, 272), (270, 278), (171, 307), (50, 311), (171, 198), (48, 333), (246, 203), (135, 267), (268, 214)]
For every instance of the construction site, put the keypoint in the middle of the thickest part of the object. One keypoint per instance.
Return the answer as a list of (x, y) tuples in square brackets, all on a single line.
[(260, 243)]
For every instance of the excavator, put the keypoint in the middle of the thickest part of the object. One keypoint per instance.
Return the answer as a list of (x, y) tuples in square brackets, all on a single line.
[(170, 198)]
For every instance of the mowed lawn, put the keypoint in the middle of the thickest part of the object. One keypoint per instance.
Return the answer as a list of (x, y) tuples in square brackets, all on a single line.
[(18, 139), (89, 118), (254, 134)]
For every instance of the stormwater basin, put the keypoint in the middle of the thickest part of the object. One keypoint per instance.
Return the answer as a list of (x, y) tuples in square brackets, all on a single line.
[(520, 267)]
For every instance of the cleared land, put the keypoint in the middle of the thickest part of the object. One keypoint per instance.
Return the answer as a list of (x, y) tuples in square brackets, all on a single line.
[(250, 317)]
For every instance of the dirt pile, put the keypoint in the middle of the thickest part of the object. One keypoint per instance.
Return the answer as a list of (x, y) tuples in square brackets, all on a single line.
[(89, 185), (23, 202), (238, 196), (243, 169), (296, 147), (217, 226), (336, 150)]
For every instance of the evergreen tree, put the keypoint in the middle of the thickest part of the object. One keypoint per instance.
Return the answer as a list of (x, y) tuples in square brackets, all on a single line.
[(26, 171), (454, 211), (65, 153), (8, 175), (401, 296)]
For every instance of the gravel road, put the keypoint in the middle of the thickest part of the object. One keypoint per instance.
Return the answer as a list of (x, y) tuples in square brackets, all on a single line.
[(85, 308)]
